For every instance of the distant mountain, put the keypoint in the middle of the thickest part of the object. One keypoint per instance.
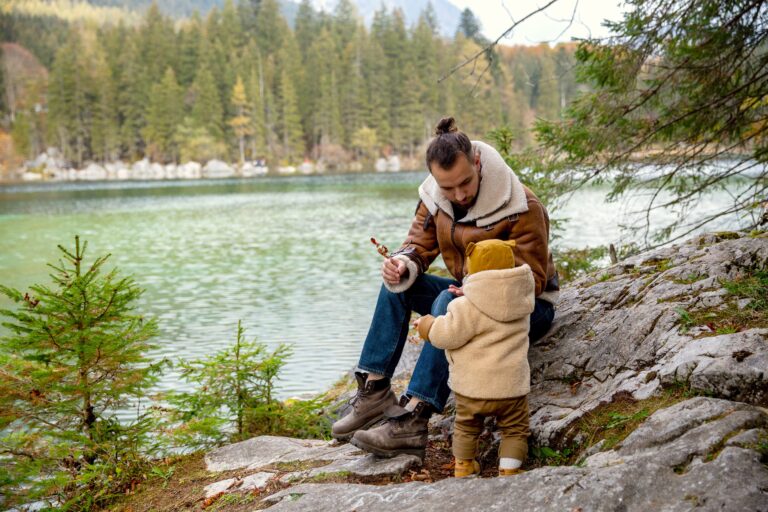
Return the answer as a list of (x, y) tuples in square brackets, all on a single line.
[(447, 13), (185, 8)]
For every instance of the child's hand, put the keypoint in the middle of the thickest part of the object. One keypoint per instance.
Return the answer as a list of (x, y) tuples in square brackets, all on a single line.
[(415, 323), (456, 290)]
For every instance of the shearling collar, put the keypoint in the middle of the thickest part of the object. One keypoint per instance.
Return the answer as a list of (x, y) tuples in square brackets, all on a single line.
[(501, 194)]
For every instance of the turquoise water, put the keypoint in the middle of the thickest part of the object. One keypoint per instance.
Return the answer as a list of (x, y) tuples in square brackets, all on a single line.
[(289, 256)]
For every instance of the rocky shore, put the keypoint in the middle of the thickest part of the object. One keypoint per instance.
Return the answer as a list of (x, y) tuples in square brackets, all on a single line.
[(649, 393), (49, 166)]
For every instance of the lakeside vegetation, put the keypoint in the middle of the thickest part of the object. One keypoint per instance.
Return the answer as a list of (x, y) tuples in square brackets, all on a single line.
[(77, 352)]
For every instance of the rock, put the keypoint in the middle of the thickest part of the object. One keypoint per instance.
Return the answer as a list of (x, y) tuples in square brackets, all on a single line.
[(360, 464), (248, 483), (732, 365), (217, 169), (327, 459), (666, 472), (623, 334), (189, 170), (250, 169), (263, 451)]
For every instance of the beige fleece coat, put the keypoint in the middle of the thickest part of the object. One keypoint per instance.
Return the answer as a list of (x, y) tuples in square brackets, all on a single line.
[(485, 334)]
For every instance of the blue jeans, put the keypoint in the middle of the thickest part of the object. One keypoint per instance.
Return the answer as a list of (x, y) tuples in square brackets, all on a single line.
[(389, 329)]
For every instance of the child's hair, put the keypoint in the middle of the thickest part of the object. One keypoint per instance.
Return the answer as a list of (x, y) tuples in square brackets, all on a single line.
[(447, 144), (490, 255)]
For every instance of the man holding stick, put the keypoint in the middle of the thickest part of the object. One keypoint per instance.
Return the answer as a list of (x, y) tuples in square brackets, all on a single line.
[(471, 195)]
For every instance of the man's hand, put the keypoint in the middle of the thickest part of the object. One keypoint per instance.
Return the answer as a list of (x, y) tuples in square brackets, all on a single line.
[(456, 290), (393, 270)]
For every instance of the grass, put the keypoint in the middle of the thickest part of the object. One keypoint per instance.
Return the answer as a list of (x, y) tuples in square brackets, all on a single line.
[(611, 423), (731, 318), (689, 279)]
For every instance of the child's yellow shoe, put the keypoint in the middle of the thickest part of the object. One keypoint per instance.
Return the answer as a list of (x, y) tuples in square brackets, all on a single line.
[(466, 468), (510, 472)]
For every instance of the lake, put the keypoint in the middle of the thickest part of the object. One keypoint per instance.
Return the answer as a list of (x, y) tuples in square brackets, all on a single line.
[(289, 256)]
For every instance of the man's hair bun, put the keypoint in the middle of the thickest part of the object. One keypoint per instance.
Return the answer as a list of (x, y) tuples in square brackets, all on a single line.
[(447, 144), (446, 125)]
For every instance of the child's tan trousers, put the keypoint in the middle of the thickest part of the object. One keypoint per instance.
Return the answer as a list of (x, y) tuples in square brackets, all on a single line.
[(511, 420)]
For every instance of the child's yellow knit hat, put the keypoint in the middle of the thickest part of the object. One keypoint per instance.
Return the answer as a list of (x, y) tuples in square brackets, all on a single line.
[(490, 255)]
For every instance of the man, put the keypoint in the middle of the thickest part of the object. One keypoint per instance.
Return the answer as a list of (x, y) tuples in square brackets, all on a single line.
[(471, 195)]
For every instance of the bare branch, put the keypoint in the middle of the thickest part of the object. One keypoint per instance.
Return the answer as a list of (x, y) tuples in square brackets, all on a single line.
[(492, 44)]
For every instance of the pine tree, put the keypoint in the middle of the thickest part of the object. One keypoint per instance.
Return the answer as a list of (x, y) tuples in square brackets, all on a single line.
[(132, 96), (469, 25), (105, 130), (270, 27), (307, 27), (21, 133), (353, 90), (190, 35), (376, 79), (345, 21), (67, 100), (207, 111), (290, 122), (241, 122), (327, 120), (256, 95), (164, 114), (231, 32), (547, 91), (425, 50), (157, 43), (3, 101), (73, 354)]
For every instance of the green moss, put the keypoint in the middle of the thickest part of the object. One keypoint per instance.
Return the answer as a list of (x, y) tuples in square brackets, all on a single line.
[(336, 477), (297, 465), (231, 500), (689, 279), (694, 500), (731, 318), (613, 422), (726, 235)]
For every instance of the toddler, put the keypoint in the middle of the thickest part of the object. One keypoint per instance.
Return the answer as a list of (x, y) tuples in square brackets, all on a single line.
[(485, 337)]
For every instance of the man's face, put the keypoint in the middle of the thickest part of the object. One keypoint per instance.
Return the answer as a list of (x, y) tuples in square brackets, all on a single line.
[(460, 183)]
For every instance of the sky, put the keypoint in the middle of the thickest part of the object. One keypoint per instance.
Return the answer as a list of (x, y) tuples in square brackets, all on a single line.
[(496, 16)]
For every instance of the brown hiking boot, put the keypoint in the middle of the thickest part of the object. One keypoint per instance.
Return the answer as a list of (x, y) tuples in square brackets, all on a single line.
[(372, 399), (404, 432)]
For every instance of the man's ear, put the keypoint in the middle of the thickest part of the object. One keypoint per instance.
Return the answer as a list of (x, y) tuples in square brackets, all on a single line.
[(470, 248)]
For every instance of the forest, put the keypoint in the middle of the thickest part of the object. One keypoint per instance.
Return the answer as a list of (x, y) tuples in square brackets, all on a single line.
[(242, 83)]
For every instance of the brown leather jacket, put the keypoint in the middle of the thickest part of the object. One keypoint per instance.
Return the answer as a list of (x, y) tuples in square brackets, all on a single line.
[(439, 234)]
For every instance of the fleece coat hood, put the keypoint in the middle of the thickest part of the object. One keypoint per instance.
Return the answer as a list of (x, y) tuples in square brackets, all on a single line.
[(503, 295), (485, 334)]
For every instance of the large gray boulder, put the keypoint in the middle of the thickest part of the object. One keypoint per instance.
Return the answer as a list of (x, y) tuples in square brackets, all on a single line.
[(699, 454), (620, 331)]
